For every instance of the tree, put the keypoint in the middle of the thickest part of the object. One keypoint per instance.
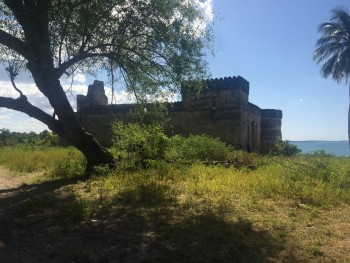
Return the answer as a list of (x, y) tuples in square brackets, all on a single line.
[(333, 48), (152, 46)]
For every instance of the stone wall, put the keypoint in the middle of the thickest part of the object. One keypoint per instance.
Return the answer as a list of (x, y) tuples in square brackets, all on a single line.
[(220, 109)]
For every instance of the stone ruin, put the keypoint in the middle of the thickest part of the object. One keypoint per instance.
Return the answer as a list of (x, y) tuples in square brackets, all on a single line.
[(220, 109), (96, 96)]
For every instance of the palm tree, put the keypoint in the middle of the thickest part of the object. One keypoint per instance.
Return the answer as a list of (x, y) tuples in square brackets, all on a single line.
[(333, 49)]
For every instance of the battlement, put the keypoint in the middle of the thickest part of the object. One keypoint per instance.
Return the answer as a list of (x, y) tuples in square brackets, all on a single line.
[(231, 92), (226, 83)]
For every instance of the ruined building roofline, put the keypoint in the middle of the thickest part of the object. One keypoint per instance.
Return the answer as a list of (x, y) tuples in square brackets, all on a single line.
[(226, 83)]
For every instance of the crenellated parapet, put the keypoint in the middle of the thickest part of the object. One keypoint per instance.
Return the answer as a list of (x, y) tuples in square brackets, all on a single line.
[(227, 83), (231, 92)]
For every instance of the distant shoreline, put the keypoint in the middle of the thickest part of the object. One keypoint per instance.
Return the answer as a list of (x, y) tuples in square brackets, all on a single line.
[(337, 148), (318, 141)]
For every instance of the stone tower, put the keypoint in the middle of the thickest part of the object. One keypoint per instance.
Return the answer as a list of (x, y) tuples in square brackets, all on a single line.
[(96, 96)]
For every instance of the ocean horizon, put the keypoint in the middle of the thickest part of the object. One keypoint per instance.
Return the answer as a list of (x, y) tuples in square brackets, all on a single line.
[(337, 148)]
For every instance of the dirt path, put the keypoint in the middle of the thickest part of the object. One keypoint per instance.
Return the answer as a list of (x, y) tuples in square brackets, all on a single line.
[(7, 181), (12, 184), (9, 186)]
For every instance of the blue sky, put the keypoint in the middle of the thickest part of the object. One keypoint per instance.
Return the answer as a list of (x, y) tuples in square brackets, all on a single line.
[(269, 43)]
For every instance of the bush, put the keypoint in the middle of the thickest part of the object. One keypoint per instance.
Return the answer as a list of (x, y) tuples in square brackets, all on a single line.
[(197, 148), (142, 142), (285, 148), (69, 166), (139, 142)]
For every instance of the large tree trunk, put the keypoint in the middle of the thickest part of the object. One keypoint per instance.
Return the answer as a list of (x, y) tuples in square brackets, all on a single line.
[(93, 151), (69, 126)]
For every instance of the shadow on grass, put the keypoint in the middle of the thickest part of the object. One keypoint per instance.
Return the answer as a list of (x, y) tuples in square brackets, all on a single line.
[(145, 224), (13, 196), (209, 238)]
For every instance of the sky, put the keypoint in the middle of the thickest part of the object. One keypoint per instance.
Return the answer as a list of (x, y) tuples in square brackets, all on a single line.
[(268, 42)]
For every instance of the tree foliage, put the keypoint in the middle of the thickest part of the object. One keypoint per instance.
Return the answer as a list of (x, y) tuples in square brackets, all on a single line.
[(333, 47), (148, 44), (44, 138)]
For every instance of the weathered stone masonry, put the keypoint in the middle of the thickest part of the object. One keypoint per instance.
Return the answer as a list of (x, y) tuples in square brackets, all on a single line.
[(221, 109)]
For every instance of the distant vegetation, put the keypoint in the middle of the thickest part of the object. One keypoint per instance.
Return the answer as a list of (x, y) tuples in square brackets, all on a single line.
[(8, 138)]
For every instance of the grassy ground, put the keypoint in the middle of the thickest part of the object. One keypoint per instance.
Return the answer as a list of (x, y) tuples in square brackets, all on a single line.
[(264, 210)]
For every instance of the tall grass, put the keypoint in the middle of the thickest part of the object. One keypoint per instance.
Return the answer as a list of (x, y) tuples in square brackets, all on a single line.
[(315, 180), (35, 158)]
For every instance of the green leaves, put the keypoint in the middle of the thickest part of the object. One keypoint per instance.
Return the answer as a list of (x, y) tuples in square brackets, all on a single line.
[(333, 47), (149, 44)]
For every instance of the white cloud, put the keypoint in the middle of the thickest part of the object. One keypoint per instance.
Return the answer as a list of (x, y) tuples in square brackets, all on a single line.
[(79, 78), (28, 89), (20, 122), (120, 96), (5, 118), (301, 100), (207, 8)]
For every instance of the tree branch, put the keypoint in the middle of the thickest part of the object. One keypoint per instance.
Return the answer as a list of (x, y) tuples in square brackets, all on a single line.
[(13, 43), (12, 71), (22, 104), (64, 66)]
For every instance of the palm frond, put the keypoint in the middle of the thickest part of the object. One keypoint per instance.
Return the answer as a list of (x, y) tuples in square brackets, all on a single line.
[(333, 47)]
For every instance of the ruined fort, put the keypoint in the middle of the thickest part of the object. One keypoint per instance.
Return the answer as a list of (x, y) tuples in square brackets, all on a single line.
[(220, 109)]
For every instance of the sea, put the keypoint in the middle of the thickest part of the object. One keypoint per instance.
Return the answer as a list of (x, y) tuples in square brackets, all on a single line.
[(337, 148)]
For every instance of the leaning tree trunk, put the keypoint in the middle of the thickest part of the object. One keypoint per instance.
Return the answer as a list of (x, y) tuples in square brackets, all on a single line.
[(68, 125), (93, 151), (74, 133)]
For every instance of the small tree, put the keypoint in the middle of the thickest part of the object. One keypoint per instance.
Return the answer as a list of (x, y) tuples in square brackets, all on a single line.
[(151, 45)]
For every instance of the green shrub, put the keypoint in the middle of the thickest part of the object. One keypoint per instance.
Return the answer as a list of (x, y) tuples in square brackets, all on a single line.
[(285, 148), (139, 142), (69, 166), (314, 166), (197, 148)]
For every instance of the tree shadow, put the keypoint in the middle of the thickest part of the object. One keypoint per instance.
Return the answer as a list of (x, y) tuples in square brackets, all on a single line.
[(18, 194), (209, 238), (145, 224)]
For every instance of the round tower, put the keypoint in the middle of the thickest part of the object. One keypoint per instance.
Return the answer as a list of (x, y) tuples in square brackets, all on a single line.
[(271, 122)]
